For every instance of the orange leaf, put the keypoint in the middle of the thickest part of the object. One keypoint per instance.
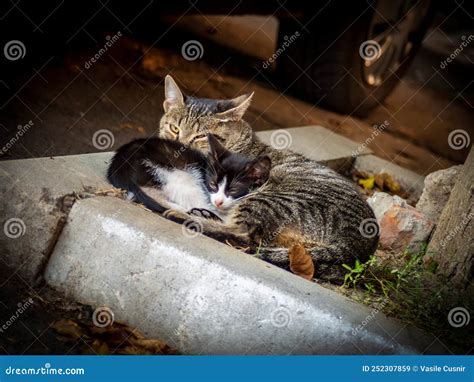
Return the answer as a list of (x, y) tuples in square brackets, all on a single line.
[(301, 263)]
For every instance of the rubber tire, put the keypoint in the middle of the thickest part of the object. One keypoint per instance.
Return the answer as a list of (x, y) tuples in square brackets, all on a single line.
[(323, 64)]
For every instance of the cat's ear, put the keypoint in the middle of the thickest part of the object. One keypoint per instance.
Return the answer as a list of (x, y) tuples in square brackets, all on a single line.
[(173, 96), (216, 150), (238, 107), (259, 169)]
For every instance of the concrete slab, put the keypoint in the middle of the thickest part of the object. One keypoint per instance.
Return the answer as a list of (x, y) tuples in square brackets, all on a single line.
[(31, 209), (204, 297)]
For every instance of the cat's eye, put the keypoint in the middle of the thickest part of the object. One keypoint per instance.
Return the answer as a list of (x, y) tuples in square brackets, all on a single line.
[(213, 185), (174, 129)]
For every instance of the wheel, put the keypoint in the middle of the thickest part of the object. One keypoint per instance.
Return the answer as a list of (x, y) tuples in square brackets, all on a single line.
[(350, 59)]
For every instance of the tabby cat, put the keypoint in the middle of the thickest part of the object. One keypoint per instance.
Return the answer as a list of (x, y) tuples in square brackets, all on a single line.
[(302, 201)]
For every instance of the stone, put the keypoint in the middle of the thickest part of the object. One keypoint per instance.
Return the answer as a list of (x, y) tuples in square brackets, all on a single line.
[(204, 297), (401, 226), (438, 186)]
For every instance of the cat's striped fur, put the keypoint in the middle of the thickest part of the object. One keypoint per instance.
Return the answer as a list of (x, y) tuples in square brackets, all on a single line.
[(302, 201)]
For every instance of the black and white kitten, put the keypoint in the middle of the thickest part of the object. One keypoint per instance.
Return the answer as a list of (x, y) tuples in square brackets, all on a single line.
[(187, 179)]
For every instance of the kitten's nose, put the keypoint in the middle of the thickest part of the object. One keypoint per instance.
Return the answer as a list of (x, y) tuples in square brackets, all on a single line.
[(218, 202)]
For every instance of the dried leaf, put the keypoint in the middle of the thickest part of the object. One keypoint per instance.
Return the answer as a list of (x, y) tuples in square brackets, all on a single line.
[(153, 346), (153, 63), (380, 181), (69, 329), (132, 126), (132, 350), (301, 263), (114, 339), (96, 347), (391, 184)]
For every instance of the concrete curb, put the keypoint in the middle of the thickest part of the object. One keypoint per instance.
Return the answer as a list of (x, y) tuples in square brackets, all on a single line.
[(204, 297)]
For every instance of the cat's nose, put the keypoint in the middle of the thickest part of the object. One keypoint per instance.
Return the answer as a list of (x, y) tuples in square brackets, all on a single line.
[(218, 202)]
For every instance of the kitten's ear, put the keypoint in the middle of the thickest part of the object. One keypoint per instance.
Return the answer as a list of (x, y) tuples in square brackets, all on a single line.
[(217, 151), (173, 96), (259, 169), (239, 106)]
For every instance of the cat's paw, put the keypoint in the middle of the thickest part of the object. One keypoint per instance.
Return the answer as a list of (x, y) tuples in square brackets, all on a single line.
[(203, 213), (176, 216)]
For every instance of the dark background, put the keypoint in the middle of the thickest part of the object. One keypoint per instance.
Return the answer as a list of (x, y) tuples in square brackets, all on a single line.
[(123, 91)]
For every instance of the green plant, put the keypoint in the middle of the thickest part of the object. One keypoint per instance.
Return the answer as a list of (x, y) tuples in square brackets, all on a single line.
[(358, 273)]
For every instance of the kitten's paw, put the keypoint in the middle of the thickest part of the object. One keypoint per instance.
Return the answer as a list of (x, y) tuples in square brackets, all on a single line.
[(176, 216), (203, 213)]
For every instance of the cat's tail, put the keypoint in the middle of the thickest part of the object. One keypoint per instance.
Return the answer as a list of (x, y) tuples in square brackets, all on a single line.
[(129, 183), (141, 197), (327, 260)]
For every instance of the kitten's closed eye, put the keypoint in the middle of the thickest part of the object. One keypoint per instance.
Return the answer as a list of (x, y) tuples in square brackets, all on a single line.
[(198, 137), (213, 186), (204, 137)]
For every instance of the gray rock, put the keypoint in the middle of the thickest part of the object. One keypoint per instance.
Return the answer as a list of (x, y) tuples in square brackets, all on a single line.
[(381, 202), (401, 225), (438, 186)]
